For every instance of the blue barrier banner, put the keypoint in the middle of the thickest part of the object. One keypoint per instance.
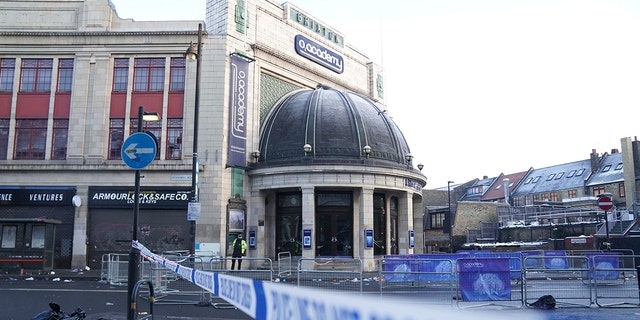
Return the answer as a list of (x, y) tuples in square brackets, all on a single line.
[(531, 262), (557, 261), (484, 279), (400, 268), (515, 261), (605, 264)]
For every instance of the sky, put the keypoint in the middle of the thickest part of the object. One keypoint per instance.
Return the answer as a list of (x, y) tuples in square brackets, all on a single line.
[(481, 88)]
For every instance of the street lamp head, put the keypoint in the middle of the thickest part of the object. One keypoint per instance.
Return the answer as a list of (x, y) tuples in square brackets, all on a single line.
[(192, 53), (150, 116)]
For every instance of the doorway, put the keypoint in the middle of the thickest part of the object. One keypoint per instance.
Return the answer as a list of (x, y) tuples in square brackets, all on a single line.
[(334, 225)]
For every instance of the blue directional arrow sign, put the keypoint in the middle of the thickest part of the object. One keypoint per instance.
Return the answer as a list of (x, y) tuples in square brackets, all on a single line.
[(139, 150)]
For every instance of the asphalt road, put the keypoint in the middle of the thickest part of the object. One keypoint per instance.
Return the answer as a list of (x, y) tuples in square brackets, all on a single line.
[(22, 299)]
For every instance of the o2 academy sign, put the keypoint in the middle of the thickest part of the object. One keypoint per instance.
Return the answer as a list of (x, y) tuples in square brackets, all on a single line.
[(319, 54)]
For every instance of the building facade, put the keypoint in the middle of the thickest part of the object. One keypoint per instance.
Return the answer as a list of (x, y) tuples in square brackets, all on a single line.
[(73, 76)]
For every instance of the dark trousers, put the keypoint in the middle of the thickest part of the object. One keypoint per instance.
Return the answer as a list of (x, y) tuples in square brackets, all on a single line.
[(233, 262)]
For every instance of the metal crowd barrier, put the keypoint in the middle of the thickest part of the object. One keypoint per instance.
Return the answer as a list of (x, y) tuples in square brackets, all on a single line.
[(115, 269), (284, 264), (169, 287), (433, 279), (339, 274), (604, 279), (490, 280), (558, 275)]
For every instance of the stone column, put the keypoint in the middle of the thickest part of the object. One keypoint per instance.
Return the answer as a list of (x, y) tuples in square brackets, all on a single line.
[(405, 221), (308, 218), (255, 222), (365, 213)]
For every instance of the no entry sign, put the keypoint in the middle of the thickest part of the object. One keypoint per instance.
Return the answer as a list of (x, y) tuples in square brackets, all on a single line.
[(605, 203)]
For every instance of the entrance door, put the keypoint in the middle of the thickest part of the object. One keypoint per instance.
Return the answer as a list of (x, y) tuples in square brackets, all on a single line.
[(334, 233)]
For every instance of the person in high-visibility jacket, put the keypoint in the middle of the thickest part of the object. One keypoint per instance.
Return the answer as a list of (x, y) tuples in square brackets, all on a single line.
[(239, 250)]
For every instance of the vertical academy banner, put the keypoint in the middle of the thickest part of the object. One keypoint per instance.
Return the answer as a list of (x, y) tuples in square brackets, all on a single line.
[(238, 112)]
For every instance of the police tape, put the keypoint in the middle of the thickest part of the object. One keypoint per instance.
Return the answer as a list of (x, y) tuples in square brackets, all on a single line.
[(275, 301)]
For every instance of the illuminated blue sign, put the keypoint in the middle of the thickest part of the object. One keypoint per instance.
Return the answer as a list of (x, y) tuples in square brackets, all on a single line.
[(319, 54)]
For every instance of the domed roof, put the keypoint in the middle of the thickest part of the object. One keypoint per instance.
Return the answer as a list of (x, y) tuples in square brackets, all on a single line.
[(338, 127)]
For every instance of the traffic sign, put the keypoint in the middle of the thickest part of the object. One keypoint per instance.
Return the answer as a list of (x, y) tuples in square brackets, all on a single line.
[(605, 203), (139, 150)]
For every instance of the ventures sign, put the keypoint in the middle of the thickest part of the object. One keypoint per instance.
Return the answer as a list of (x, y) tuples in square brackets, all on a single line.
[(319, 54)]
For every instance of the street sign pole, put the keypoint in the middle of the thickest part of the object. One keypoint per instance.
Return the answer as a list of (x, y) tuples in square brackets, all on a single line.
[(138, 151), (605, 203), (134, 254)]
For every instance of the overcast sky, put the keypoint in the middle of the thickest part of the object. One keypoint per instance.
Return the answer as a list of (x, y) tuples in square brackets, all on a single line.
[(486, 87)]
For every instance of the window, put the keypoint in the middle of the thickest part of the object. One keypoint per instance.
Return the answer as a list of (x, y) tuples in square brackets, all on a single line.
[(619, 166), (580, 172), (528, 180), (9, 236), (573, 193), (37, 237), (176, 82), (7, 67), (120, 74), (148, 75), (60, 133), (606, 168), (116, 138), (559, 175), (153, 127), (550, 177), (31, 136), (598, 190), (571, 173), (554, 196), (621, 190), (36, 75), (65, 75), (437, 220), (536, 179), (4, 138), (174, 139)]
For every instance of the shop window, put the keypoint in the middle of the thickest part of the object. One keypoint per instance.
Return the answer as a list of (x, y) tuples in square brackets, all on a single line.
[(37, 237), (7, 67), (4, 138), (36, 75), (116, 138), (31, 136), (65, 75), (9, 234), (120, 74), (174, 139), (148, 75), (60, 134), (176, 78)]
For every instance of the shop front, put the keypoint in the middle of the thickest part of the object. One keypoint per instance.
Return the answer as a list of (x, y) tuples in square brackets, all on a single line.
[(162, 221), (30, 214)]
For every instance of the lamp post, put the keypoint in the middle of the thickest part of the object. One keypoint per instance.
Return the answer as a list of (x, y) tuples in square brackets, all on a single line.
[(134, 253), (194, 53), (449, 225)]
